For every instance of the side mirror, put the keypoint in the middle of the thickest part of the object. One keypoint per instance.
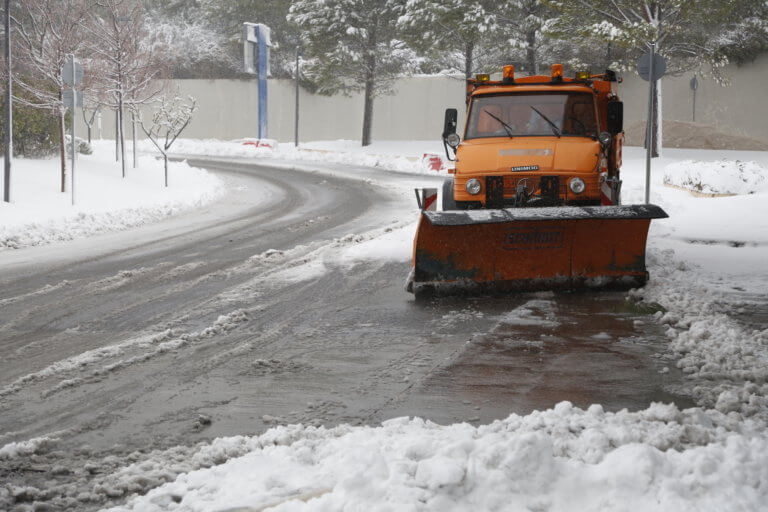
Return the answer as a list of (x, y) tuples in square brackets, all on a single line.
[(451, 119), (615, 112), (450, 137)]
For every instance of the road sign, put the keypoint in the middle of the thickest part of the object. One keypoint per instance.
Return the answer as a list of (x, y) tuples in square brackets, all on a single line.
[(72, 99), (257, 41), (694, 86), (72, 75), (644, 63)]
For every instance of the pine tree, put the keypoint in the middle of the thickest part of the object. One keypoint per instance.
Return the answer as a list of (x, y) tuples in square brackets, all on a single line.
[(523, 22), (352, 45), (461, 35)]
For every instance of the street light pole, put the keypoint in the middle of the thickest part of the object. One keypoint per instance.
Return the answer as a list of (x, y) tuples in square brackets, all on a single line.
[(8, 107), (296, 117), (649, 133)]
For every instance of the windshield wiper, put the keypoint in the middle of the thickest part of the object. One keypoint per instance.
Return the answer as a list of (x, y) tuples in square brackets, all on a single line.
[(555, 129), (504, 125)]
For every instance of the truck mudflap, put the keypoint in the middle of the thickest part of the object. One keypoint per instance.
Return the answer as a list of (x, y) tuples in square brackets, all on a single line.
[(481, 251)]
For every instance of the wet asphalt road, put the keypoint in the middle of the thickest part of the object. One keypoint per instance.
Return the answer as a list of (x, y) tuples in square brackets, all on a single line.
[(185, 337)]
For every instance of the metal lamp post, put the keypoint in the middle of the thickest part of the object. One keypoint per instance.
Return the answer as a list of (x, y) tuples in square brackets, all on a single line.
[(296, 113)]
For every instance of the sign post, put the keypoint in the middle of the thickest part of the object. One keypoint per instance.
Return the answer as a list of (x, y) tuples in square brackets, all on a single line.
[(694, 86), (72, 74), (651, 66)]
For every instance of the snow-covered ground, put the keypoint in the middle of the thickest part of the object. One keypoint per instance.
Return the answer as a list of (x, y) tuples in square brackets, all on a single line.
[(708, 262), (401, 156), (40, 214), (562, 459)]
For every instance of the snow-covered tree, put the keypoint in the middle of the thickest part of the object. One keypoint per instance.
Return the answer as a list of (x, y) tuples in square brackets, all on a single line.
[(91, 111), (216, 26), (228, 17), (46, 31), (690, 34), (170, 118), (352, 45), (747, 36), (523, 23), (191, 49), (130, 67), (461, 35)]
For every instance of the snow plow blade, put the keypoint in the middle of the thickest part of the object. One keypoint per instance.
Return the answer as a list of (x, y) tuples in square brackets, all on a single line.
[(481, 251)]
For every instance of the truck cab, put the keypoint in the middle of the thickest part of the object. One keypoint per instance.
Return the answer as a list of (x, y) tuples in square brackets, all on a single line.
[(536, 141)]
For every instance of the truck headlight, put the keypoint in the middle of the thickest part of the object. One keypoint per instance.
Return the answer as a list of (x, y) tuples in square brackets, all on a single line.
[(453, 140), (473, 186), (577, 185)]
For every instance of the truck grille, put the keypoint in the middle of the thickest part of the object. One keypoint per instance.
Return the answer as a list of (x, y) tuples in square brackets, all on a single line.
[(533, 183)]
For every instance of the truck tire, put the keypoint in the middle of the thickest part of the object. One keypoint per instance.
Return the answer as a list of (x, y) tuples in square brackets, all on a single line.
[(448, 203)]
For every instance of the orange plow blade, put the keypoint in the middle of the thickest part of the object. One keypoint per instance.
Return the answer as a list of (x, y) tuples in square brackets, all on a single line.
[(531, 249)]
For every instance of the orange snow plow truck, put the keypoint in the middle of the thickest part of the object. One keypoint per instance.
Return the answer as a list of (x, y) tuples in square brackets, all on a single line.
[(534, 201)]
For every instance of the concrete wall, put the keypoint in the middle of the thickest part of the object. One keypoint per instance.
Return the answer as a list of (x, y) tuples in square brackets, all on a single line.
[(228, 108), (739, 109)]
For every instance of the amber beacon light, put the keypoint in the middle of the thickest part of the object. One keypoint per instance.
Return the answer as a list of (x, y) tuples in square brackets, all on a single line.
[(509, 74)]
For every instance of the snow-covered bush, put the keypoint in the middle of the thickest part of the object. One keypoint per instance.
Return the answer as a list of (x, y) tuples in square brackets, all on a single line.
[(717, 177), (83, 147)]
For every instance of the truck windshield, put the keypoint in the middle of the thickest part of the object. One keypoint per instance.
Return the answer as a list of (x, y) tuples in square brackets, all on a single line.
[(511, 115)]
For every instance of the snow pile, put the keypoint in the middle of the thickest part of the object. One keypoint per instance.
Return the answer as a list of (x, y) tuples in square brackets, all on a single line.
[(536, 312), (726, 363), (560, 459), (401, 156), (718, 177), (26, 448), (40, 214)]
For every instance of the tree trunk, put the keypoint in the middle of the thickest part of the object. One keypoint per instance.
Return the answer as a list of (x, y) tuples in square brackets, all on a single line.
[(469, 59), (370, 76), (368, 110), (165, 158), (63, 151), (530, 52), (653, 127), (133, 135), (121, 130), (117, 136), (608, 55)]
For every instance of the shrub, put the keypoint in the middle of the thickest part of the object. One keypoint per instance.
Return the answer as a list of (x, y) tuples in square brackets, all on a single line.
[(35, 131)]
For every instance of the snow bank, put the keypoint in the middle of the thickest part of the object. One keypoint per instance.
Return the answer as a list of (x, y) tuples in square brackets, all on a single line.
[(718, 177), (561, 459), (726, 363), (401, 156), (104, 201), (26, 448)]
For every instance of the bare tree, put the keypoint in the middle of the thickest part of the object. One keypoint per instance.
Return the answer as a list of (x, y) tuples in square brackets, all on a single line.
[(130, 67), (91, 110), (171, 117), (48, 30)]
